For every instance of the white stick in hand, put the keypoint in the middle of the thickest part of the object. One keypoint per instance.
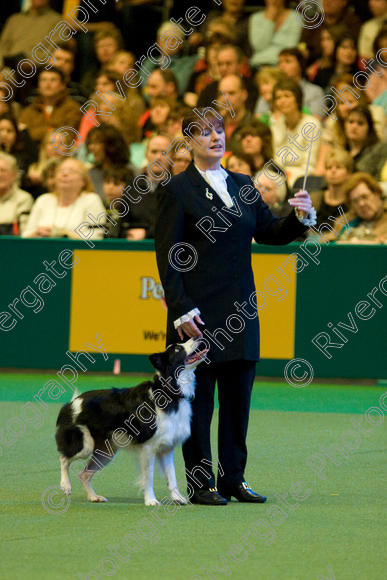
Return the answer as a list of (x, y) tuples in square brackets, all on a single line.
[(307, 167)]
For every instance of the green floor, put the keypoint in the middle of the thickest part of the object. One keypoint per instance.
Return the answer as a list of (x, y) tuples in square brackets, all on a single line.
[(337, 532)]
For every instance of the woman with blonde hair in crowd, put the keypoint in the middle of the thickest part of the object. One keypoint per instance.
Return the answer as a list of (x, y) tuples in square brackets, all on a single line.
[(265, 79), (57, 214), (50, 148), (338, 167), (368, 219)]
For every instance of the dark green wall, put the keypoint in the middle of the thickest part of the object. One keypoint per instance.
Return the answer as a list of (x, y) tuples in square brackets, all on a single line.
[(325, 293)]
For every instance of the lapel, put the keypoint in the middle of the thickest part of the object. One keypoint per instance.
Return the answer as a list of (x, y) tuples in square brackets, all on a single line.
[(201, 187)]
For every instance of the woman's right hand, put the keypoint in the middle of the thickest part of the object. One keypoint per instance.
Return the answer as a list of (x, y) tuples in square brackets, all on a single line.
[(190, 328), (43, 232)]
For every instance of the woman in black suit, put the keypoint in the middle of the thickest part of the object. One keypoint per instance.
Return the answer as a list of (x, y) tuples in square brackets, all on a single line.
[(207, 219)]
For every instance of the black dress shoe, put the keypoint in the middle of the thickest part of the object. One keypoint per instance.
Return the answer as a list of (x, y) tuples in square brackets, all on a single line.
[(208, 497), (242, 492)]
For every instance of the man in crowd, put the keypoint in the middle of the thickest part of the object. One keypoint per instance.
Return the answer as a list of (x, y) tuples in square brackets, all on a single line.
[(52, 108), (229, 62), (64, 60), (23, 31), (236, 114), (143, 205)]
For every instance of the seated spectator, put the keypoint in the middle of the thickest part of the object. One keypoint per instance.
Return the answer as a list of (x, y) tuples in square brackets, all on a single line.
[(266, 78), (17, 143), (255, 140), (15, 204), (240, 163), (368, 153), (48, 174), (122, 114), (57, 214), (115, 181), (338, 168), (159, 110), (181, 159), (369, 220), (108, 148), (371, 28), (23, 31), (274, 195), (227, 21), (333, 133), (162, 83), (287, 99), (292, 63), (121, 61), (239, 115), (64, 60), (345, 61), (52, 108), (144, 208), (271, 30), (173, 123), (329, 36), (335, 12), (50, 148), (107, 43), (181, 65), (230, 61), (205, 73)]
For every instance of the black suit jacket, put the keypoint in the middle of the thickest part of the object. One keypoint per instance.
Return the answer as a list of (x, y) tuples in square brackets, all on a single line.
[(223, 273)]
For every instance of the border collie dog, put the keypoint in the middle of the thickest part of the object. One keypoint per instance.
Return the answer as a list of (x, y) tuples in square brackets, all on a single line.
[(153, 417)]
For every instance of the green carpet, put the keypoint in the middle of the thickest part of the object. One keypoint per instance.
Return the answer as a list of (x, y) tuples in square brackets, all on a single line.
[(338, 531)]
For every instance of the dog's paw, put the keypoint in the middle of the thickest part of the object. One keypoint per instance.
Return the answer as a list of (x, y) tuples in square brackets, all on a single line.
[(178, 497), (152, 501), (97, 499), (66, 489)]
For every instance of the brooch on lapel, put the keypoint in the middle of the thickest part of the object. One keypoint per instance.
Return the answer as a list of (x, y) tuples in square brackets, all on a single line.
[(209, 195)]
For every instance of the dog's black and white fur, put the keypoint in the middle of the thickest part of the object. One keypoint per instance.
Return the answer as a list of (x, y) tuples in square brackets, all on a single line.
[(153, 417)]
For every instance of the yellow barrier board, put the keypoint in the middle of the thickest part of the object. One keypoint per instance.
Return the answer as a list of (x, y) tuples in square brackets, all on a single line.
[(118, 295)]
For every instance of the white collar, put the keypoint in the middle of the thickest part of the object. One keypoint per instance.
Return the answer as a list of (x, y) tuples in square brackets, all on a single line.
[(213, 172)]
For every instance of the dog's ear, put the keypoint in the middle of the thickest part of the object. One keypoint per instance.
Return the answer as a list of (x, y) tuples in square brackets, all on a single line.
[(158, 361)]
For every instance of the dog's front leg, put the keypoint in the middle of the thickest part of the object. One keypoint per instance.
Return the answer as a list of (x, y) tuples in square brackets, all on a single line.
[(168, 467), (147, 461)]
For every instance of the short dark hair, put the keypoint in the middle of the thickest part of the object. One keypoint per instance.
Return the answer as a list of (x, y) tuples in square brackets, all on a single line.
[(296, 52), (118, 174), (53, 69), (293, 87), (194, 118), (66, 47), (168, 77)]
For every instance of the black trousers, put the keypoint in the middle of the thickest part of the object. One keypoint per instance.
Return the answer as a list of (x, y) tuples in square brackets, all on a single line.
[(235, 381)]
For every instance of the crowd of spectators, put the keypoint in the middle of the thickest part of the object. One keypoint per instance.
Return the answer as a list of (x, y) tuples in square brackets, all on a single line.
[(294, 99)]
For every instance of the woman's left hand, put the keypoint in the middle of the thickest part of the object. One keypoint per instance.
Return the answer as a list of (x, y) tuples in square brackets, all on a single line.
[(301, 202)]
